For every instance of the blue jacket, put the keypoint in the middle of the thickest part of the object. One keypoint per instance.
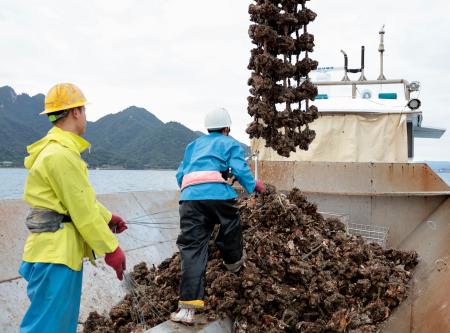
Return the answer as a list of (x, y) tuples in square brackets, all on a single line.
[(214, 152)]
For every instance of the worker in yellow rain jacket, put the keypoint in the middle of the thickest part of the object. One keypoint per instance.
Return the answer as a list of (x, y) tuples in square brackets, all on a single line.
[(66, 222)]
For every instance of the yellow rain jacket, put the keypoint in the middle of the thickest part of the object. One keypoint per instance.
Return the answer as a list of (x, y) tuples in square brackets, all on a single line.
[(58, 180)]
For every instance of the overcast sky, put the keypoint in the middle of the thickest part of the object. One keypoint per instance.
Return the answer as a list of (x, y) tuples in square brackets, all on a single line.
[(180, 58)]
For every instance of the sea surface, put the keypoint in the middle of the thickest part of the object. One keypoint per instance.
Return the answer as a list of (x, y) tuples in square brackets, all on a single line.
[(445, 177), (12, 181)]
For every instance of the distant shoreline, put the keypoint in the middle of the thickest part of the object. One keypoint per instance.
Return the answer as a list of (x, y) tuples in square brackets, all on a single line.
[(445, 170), (104, 169), (131, 169)]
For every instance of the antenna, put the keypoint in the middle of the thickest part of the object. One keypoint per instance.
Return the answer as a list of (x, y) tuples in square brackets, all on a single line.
[(381, 50)]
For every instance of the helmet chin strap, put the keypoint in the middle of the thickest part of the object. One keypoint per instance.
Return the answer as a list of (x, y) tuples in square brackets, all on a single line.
[(54, 118)]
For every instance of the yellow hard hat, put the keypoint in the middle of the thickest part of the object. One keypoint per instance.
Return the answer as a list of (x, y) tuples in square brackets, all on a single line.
[(63, 96)]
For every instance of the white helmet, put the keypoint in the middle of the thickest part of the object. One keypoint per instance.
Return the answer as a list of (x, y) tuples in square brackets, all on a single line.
[(217, 118)]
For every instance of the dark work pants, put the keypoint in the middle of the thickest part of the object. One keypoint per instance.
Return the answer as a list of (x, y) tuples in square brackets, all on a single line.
[(197, 220)]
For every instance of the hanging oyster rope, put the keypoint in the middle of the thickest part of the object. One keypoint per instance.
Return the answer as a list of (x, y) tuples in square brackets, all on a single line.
[(280, 87)]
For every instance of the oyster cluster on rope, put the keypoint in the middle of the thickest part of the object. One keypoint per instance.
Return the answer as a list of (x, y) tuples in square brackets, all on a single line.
[(280, 87)]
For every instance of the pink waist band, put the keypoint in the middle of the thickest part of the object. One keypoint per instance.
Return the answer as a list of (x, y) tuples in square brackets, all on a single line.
[(201, 177)]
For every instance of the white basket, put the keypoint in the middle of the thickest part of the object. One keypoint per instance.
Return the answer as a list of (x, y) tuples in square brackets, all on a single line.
[(370, 233), (344, 218)]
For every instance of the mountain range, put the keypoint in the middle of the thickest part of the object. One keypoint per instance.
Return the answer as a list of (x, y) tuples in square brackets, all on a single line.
[(133, 138)]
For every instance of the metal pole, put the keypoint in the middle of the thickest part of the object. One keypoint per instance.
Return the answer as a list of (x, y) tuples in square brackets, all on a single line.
[(362, 77), (256, 165), (381, 49), (254, 156), (345, 78)]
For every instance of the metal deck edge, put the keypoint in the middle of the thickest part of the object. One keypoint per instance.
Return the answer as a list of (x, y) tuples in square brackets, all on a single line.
[(217, 326)]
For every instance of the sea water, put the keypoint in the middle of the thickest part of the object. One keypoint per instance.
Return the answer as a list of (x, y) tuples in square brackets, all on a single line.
[(12, 181)]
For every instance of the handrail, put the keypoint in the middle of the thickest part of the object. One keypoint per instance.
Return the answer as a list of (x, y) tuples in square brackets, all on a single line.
[(367, 82)]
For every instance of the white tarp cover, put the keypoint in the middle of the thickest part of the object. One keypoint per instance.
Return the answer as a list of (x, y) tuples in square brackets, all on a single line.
[(350, 138)]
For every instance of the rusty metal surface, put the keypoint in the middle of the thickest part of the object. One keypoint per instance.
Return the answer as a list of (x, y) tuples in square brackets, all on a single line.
[(13, 303), (406, 177), (428, 307), (12, 236), (401, 214), (354, 178), (101, 289)]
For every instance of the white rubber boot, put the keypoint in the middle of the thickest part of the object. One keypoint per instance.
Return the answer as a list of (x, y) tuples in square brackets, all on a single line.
[(234, 268), (184, 316)]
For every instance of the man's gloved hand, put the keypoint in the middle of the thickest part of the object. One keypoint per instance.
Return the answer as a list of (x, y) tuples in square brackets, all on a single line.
[(232, 180), (117, 261), (260, 188), (117, 224)]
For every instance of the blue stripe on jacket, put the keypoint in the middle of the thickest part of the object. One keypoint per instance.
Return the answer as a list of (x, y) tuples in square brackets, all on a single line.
[(214, 152)]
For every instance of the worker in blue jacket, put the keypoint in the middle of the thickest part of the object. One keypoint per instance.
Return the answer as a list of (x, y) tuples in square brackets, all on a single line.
[(208, 199)]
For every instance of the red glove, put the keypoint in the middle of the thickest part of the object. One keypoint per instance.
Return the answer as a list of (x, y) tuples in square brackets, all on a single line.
[(117, 261), (117, 224), (260, 188)]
